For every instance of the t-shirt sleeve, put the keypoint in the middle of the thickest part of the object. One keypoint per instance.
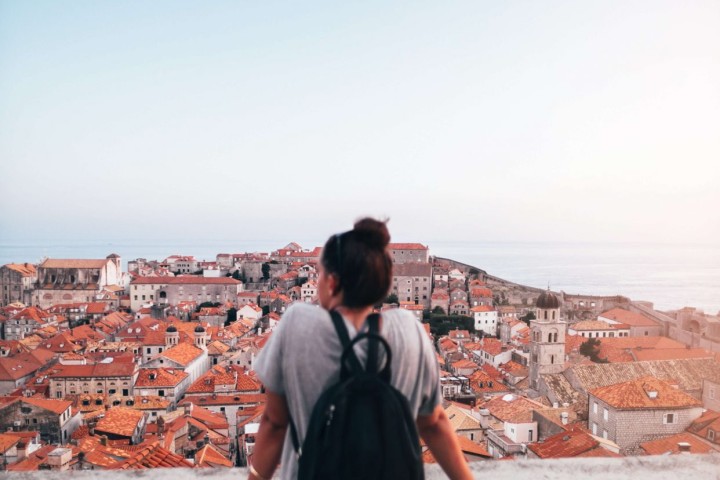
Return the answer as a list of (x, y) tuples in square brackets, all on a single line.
[(268, 365), (431, 373)]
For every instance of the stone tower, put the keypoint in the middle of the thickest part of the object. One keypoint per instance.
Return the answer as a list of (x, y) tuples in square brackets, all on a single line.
[(547, 339), (172, 336), (200, 338)]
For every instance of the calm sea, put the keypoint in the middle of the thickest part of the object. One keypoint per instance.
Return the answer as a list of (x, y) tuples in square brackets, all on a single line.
[(670, 276)]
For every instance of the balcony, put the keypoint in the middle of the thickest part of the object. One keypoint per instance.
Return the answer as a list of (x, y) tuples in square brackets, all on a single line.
[(505, 445)]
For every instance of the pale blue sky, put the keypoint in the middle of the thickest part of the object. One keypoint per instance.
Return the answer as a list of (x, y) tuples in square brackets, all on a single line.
[(278, 120)]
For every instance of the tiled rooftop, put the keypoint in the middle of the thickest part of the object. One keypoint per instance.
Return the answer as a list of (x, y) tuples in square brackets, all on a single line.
[(669, 445), (564, 444), (183, 353), (629, 318), (645, 392), (119, 421)]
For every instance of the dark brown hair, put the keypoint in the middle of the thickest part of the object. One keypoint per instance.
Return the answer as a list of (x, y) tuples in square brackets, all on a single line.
[(361, 262)]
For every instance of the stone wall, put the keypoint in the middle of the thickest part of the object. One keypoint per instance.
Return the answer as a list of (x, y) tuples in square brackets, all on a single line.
[(695, 467), (629, 428)]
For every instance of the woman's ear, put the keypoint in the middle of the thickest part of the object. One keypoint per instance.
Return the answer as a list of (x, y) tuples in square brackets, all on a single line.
[(334, 284)]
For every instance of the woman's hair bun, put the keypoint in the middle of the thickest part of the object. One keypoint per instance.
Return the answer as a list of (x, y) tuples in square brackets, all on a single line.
[(371, 232)]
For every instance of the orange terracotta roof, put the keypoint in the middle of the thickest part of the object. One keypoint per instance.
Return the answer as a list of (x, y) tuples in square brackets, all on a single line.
[(465, 363), (669, 445), (150, 402), (183, 353), (586, 325), (33, 461), (160, 377), (492, 346), (638, 394), (708, 420), (119, 369), (56, 406), (210, 419), (512, 408), (599, 452), (210, 456), (482, 308), (24, 269), (406, 246), (120, 421), (19, 366), (456, 334), (564, 444), (7, 442), (630, 318), (481, 292), (237, 399), (671, 354), (468, 446), (152, 455), (73, 263), (489, 384)]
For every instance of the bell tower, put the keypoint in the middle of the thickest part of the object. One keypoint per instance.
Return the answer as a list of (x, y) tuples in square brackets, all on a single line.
[(547, 339)]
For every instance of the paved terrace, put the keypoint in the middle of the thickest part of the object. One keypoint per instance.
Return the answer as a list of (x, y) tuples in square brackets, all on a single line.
[(683, 466)]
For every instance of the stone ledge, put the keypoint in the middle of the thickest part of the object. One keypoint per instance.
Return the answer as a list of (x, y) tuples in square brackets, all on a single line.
[(695, 467)]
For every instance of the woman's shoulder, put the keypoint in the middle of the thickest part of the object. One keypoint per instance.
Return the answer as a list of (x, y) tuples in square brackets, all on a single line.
[(401, 318), (300, 312)]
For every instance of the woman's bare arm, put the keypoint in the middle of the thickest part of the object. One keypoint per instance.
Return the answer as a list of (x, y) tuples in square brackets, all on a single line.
[(270, 437), (438, 434)]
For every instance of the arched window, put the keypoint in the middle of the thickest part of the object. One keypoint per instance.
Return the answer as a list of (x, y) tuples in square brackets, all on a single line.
[(550, 335), (545, 314), (555, 337), (553, 316), (552, 359)]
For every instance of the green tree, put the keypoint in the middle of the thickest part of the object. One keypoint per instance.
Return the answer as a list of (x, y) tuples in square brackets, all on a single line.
[(231, 316), (442, 324), (266, 270), (527, 317), (438, 310), (591, 348), (392, 298)]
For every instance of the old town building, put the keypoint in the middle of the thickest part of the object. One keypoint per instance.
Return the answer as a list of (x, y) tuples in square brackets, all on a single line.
[(75, 280), (17, 281)]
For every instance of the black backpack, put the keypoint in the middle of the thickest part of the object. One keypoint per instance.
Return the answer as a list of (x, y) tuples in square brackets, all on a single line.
[(361, 427)]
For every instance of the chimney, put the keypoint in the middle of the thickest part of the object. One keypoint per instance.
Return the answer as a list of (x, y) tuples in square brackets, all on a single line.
[(103, 440), (683, 446), (564, 418)]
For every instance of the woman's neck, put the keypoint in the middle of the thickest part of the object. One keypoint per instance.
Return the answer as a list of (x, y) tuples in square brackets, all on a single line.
[(356, 316)]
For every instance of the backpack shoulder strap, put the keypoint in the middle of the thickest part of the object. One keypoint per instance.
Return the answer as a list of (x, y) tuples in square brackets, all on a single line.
[(341, 329), (373, 321)]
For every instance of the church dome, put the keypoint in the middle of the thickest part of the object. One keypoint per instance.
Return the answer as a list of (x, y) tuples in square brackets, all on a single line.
[(171, 329), (547, 301), (199, 329)]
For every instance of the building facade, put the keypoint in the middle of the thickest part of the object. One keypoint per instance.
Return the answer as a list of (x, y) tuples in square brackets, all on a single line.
[(75, 280), (408, 253), (169, 291), (412, 282), (17, 282)]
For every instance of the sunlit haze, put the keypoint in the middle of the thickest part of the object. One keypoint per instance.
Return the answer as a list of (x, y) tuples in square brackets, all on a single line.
[(558, 121)]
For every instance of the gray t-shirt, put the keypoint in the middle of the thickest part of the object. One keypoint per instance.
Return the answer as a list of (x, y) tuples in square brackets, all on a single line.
[(302, 359)]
